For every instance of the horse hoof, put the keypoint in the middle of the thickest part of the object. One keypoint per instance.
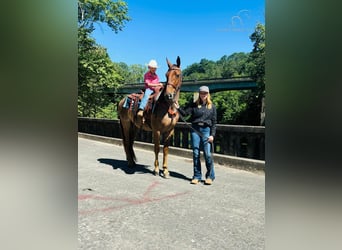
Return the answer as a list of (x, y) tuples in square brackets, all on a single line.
[(156, 173), (166, 175), (132, 165)]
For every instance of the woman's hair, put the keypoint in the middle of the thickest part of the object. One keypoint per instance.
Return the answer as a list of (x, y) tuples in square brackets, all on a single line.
[(209, 102)]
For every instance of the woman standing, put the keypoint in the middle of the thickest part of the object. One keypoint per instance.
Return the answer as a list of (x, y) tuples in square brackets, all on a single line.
[(203, 119)]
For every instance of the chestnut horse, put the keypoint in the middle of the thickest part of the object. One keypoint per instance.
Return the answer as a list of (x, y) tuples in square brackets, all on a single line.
[(161, 120)]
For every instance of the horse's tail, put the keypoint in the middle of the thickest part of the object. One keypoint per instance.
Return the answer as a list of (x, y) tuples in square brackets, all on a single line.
[(118, 109), (128, 140)]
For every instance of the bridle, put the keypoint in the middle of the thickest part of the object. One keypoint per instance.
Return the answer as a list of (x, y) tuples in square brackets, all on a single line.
[(173, 85), (176, 87)]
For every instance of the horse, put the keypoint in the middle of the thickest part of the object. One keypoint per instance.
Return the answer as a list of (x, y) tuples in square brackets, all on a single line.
[(161, 119)]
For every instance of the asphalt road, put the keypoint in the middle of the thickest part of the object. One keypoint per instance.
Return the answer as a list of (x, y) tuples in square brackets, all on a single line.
[(122, 208)]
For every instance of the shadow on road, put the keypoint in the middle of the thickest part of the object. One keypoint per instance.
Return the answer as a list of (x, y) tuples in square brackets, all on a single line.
[(124, 166), (120, 164), (179, 176)]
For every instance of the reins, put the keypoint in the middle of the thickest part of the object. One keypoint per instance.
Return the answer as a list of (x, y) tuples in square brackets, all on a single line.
[(191, 127), (196, 131), (177, 88)]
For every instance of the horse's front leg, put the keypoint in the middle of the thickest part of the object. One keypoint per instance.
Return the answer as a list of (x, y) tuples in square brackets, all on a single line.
[(156, 137), (167, 137)]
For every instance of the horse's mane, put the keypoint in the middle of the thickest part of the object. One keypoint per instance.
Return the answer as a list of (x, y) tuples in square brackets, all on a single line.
[(161, 96)]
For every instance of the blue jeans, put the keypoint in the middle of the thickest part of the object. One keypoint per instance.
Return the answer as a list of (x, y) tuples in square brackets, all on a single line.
[(144, 100), (197, 142)]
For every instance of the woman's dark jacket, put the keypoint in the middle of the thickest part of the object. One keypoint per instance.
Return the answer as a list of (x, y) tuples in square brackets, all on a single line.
[(201, 115)]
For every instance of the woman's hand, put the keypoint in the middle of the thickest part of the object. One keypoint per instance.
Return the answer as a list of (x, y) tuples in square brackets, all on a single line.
[(211, 138)]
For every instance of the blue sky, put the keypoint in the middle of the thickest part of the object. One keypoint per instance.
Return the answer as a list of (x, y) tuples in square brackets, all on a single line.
[(190, 29)]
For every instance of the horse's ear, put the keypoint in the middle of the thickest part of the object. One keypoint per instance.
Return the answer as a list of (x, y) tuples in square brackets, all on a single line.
[(178, 61), (168, 63)]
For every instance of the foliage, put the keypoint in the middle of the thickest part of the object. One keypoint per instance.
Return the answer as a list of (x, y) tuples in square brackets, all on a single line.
[(256, 68), (230, 104), (108, 112), (257, 58), (114, 14), (235, 107), (97, 74), (99, 77), (205, 69), (133, 73), (234, 65)]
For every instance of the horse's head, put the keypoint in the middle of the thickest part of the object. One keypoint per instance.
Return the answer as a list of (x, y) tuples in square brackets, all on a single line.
[(173, 81)]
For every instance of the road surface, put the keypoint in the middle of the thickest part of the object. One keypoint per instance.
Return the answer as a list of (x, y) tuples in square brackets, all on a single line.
[(122, 208)]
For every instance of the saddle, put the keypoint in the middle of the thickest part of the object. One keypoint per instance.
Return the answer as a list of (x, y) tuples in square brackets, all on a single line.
[(133, 100)]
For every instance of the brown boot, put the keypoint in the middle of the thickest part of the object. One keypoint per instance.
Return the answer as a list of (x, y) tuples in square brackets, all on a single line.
[(194, 181), (140, 113), (208, 181), (140, 116)]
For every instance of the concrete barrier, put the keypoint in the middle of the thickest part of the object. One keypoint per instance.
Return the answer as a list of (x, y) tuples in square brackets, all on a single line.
[(230, 161)]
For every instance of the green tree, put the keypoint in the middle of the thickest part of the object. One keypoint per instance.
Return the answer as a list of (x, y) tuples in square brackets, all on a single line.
[(234, 65), (113, 13), (97, 74), (205, 69), (257, 58), (133, 73), (230, 104), (256, 68), (136, 73)]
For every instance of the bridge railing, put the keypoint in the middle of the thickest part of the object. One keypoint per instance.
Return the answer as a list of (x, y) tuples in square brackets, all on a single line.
[(233, 140), (214, 84)]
